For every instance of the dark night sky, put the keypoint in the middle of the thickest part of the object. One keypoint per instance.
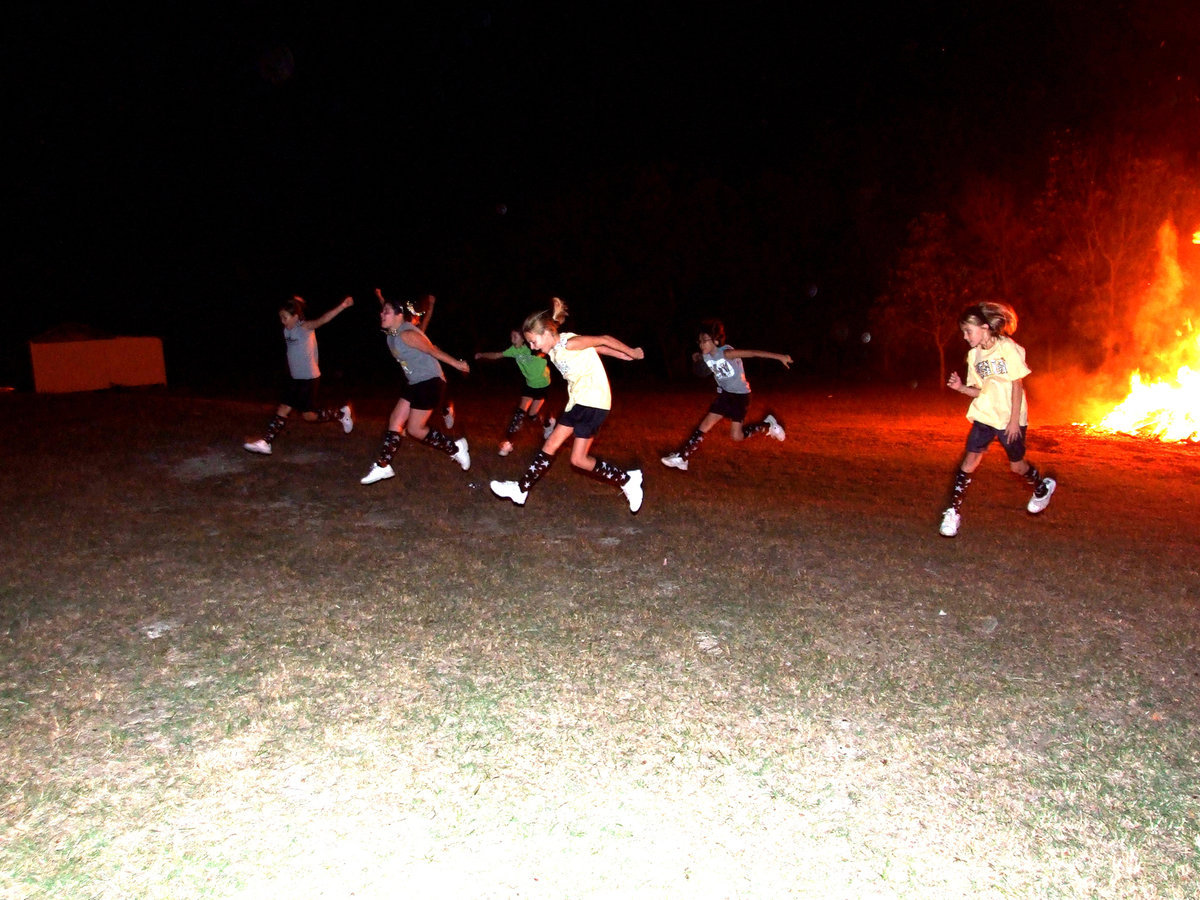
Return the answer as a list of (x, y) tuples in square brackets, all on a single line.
[(203, 159)]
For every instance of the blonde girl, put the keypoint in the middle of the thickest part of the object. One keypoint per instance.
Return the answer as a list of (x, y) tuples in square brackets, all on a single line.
[(589, 399), (996, 373)]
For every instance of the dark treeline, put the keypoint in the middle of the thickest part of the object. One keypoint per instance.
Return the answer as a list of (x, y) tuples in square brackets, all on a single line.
[(1076, 256), (809, 179)]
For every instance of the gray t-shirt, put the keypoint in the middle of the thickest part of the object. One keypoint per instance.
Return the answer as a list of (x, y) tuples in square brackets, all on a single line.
[(418, 365), (730, 373), (302, 352)]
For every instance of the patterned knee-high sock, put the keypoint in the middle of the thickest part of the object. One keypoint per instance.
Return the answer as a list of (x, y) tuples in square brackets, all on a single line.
[(606, 471), (961, 481), (328, 415), (537, 468), (515, 423), (274, 427), (692, 444), (1032, 476), (439, 441), (391, 443), (755, 428)]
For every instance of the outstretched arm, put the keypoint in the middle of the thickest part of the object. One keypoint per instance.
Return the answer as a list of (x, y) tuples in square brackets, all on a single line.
[(605, 345), (760, 354), (417, 339), (328, 317), (490, 355)]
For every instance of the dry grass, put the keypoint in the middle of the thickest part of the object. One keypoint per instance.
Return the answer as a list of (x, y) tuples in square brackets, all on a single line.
[(228, 676)]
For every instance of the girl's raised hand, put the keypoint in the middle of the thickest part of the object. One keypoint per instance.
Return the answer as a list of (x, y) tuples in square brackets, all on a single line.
[(954, 382)]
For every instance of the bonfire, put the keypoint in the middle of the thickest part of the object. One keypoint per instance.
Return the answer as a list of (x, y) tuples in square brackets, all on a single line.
[(1164, 393)]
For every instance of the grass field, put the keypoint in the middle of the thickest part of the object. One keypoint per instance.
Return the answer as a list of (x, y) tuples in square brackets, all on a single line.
[(224, 675)]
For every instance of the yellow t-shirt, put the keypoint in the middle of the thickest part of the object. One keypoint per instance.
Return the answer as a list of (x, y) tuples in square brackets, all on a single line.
[(583, 370), (993, 372)]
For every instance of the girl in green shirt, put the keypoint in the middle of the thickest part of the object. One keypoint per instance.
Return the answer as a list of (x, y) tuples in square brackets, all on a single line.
[(536, 372)]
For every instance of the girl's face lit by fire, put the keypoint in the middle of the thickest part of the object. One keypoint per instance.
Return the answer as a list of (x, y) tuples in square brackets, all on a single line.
[(289, 319), (977, 335)]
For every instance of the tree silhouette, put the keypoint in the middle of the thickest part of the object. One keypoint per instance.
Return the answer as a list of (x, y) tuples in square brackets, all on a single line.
[(927, 288), (1101, 209)]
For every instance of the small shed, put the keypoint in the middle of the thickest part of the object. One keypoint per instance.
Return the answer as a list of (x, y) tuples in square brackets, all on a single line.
[(73, 357)]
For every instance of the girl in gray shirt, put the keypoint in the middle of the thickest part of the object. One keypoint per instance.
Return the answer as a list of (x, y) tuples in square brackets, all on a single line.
[(424, 389), (303, 386), (733, 392)]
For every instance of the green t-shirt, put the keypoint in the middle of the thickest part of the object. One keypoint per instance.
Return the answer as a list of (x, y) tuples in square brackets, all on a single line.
[(534, 367)]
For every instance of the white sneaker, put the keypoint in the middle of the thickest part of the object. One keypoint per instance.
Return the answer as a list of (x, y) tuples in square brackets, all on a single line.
[(448, 417), (260, 446), (511, 490), (632, 489), (462, 457), (506, 448), (347, 419), (774, 429), (675, 461), (1037, 504), (950, 522), (549, 429), (378, 474)]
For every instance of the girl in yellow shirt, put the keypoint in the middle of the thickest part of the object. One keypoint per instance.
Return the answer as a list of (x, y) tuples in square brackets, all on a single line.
[(996, 372), (589, 399)]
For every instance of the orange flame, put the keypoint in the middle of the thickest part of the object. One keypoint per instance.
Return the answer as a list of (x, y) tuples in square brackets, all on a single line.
[(1167, 409), (1164, 393)]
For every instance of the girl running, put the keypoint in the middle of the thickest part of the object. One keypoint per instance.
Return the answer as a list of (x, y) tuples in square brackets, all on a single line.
[(423, 312), (536, 372), (996, 372), (303, 388), (733, 392), (424, 387), (589, 399)]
